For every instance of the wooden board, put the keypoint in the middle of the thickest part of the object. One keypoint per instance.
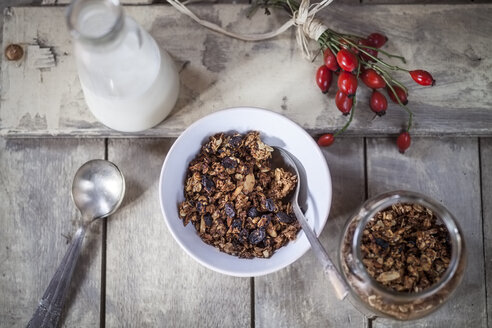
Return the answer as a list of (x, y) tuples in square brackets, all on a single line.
[(301, 295), (486, 169), (449, 171), (37, 221), (151, 281), (452, 41), (422, 1), (126, 2)]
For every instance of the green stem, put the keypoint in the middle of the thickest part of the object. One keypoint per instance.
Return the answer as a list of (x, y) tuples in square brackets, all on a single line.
[(386, 74), (343, 35), (390, 55), (376, 59), (324, 43), (358, 69)]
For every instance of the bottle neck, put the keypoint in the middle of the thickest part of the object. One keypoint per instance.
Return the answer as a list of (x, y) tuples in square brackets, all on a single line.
[(96, 23)]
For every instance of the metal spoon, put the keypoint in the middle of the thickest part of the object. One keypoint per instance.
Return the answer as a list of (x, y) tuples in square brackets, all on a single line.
[(318, 249), (97, 191)]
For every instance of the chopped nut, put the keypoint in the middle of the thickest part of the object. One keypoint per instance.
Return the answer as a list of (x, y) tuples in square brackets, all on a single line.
[(388, 276), (249, 183), (405, 248)]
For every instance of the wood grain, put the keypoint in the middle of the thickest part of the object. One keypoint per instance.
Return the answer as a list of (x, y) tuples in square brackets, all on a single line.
[(414, 1), (151, 281), (444, 2), (301, 295), (451, 41), (38, 219), (126, 2), (446, 169), (486, 169)]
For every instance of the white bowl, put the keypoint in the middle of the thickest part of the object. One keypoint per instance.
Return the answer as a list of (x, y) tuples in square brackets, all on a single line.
[(275, 130)]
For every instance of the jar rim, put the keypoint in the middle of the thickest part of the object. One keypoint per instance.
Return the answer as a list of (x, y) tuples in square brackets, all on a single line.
[(72, 15), (384, 200)]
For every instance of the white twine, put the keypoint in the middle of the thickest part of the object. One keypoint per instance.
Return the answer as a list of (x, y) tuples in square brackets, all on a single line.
[(307, 26)]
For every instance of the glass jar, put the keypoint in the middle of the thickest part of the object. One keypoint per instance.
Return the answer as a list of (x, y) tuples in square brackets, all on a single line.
[(129, 83), (375, 297)]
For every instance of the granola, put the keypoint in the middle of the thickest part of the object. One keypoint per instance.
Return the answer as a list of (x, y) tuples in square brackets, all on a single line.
[(405, 248), (235, 199)]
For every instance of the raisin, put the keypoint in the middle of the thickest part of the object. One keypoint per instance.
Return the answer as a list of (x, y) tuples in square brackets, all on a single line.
[(208, 220), (257, 236), (253, 212), (284, 217), (229, 163), (200, 207), (236, 223), (267, 217), (235, 141), (270, 205), (207, 183), (229, 210), (381, 242), (243, 235)]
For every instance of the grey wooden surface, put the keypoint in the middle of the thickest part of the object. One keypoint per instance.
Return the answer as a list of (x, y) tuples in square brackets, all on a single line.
[(37, 221), (486, 170), (132, 272), (150, 279), (278, 302), (448, 170), (220, 70)]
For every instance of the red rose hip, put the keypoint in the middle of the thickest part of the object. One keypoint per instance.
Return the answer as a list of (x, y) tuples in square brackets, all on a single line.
[(343, 102), (400, 93), (347, 83), (347, 60), (372, 79), (330, 60), (403, 141), (378, 103), (372, 52), (422, 77), (323, 78), (377, 40), (326, 140)]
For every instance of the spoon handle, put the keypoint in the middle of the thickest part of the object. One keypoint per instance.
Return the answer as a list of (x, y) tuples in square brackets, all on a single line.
[(51, 305), (321, 254)]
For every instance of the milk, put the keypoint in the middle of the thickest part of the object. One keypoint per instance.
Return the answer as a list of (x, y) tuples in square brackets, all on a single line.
[(141, 111), (129, 83)]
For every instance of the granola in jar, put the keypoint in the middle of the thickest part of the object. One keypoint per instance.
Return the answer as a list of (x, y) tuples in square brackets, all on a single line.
[(402, 255), (236, 200), (405, 248)]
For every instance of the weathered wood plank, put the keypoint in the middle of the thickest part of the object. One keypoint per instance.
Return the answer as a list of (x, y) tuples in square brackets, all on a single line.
[(38, 219), (452, 41), (150, 279), (126, 2), (448, 171), (486, 169), (301, 295), (444, 2)]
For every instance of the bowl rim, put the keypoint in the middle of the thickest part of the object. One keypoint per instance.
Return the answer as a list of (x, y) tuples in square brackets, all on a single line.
[(323, 217)]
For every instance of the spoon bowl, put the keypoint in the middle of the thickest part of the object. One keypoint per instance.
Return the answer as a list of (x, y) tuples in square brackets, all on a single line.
[(98, 188)]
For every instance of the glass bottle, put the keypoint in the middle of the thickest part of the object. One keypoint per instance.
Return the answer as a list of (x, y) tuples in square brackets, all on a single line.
[(373, 298), (129, 83)]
